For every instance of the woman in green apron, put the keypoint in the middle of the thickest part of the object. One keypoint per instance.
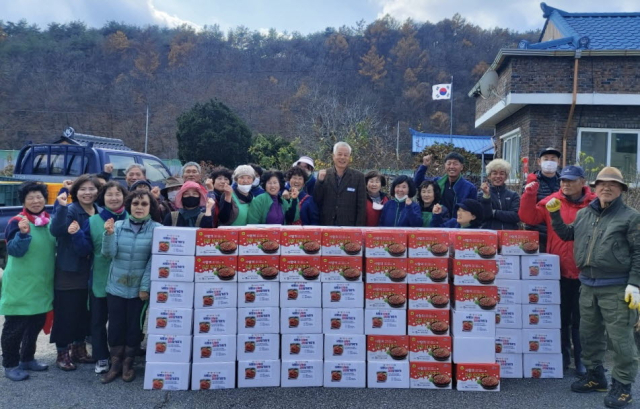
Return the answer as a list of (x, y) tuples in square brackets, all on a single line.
[(243, 176)]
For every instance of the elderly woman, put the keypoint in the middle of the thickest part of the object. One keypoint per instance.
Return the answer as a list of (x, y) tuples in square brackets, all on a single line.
[(500, 205), (401, 211), (297, 177), (167, 201), (429, 196), (272, 207), (27, 286), (189, 200), (376, 198), (242, 196)]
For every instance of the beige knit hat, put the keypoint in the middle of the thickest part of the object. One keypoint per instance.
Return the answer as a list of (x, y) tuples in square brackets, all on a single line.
[(243, 170), (610, 174)]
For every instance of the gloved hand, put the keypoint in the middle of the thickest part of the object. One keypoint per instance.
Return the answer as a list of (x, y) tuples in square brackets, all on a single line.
[(553, 205), (632, 296), (532, 177), (531, 187)]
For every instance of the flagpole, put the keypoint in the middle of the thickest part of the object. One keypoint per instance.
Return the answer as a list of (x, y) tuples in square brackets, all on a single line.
[(451, 114)]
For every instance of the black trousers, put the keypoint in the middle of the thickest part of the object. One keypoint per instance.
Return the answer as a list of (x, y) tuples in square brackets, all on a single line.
[(570, 319), (70, 317), (99, 317), (124, 321), (19, 336)]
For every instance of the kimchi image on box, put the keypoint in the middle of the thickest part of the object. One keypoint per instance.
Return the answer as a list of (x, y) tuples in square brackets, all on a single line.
[(540, 316), (508, 267), (428, 322), (168, 348), (342, 295), (480, 377), (177, 241), (474, 272), (301, 373), (341, 269), (342, 241), (170, 321), (509, 291), (302, 346), (172, 268), (258, 294), (468, 323), (542, 366), (299, 268), (387, 348), (540, 292), (171, 294), (546, 341), (301, 294), (253, 346), (430, 375), (214, 348), (518, 242), (474, 349), (509, 316), (386, 270), (510, 365), (388, 374), (383, 243), (258, 373), (345, 374), (474, 244), (302, 320), (213, 375), (298, 241), (168, 376), (429, 348), (216, 268), (215, 295), (258, 268), (475, 297), (258, 320), (385, 295), (429, 296), (540, 267), (343, 320), (216, 242), (380, 321), (427, 270), (345, 347), (258, 241), (427, 243), (219, 321), (508, 341)]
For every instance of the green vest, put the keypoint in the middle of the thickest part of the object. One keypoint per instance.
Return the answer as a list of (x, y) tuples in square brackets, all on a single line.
[(243, 211), (27, 284), (426, 219), (101, 263)]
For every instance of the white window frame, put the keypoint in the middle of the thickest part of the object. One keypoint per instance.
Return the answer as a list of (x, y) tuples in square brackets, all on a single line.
[(609, 131), (514, 136)]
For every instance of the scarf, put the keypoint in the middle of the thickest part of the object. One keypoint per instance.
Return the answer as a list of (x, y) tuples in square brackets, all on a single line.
[(40, 219), (116, 213), (139, 221), (190, 215)]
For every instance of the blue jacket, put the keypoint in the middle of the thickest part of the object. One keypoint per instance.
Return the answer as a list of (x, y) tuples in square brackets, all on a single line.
[(500, 211), (398, 214), (309, 212), (438, 221), (67, 259), (463, 189)]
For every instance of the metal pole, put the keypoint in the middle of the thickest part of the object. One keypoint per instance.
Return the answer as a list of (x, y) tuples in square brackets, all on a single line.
[(451, 114), (146, 132), (398, 142)]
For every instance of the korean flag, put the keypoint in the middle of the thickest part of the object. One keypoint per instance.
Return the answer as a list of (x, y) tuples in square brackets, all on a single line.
[(441, 91)]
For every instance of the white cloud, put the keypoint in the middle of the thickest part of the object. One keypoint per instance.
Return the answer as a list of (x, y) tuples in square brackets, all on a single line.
[(166, 19)]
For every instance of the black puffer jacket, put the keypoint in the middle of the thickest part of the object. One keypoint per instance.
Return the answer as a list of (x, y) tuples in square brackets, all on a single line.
[(500, 211)]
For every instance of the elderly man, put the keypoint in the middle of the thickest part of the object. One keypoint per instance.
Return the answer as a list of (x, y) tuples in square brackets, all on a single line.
[(607, 254), (340, 191), (191, 171), (134, 173)]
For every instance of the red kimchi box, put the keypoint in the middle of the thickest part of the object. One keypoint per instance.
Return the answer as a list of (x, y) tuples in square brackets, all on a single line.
[(385, 243), (428, 322), (429, 349), (429, 296), (428, 270), (474, 244), (298, 241), (474, 272), (387, 348), (519, 242), (341, 269), (430, 375), (299, 268), (386, 270), (216, 268), (477, 377), (216, 242), (428, 243), (475, 297), (258, 268), (258, 241), (342, 241), (385, 295)]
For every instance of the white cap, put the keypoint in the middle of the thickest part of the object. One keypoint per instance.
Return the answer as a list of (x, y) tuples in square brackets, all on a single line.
[(305, 159)]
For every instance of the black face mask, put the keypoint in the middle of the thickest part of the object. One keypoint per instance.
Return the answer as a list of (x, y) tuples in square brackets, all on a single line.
[(190, 202)]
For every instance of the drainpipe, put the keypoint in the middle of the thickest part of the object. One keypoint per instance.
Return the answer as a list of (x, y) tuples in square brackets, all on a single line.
[(577, 56)]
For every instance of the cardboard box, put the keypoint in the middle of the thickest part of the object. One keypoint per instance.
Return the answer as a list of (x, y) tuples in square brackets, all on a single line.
[(252, 346), (259, 241), (216, 321), (387, 374), (508, 267), (541, 341), (430, 375), (474, 297), (342, 241), (540, 316), (385, 295), (477, 377), (296, 241), (474, 244), (343, 321), (342, 295), (540, 292), (168, 376), (344, 347), (383, 243), (217, 242), (474, 349), (345, 374), (300, 294), (508, 341), (510, 365), (258, 373), (429, 348), (509, 291), (303, 373), (259, 320), (387, 348), (380, 321), (302, 346), (259, 294), (172, 268), (300, 268), (429, 296), (468, 323), (175, 294), (341, 269), (428, 270), (212, 268), (540, 267), (303, 320), (218, 375), (215, 295), (168, 348), (258, 268), (518, 242), (428, 322), (474, 272), (170, 321), (509, 316), (214, 348), (542, 366), (428, 243), (177, 241), (386, 270)]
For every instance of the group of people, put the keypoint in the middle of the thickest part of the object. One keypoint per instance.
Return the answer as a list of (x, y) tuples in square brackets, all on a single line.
[(97, 249)]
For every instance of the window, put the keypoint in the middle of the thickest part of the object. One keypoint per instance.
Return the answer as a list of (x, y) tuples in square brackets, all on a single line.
[(120, 164), (511, 153), (156, 172), (598, 148)]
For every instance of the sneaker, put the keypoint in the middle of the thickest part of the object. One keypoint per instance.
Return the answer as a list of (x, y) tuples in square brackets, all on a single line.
[(16, 374), (102, 366), (593, 381), (619, 396), (33, 365)]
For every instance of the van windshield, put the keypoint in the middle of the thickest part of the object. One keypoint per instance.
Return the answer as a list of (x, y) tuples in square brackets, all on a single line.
[(156, 171)]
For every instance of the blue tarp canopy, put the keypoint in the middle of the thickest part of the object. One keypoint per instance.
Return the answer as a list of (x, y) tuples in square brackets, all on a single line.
[(473, 144)]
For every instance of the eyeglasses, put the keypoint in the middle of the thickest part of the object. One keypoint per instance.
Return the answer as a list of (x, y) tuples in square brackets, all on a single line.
[(140, 204)]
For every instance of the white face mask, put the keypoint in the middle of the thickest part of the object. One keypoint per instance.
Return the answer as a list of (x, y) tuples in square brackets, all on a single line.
[(245, 188), (256, 182), (377, 206), (401, 198), (549, 166), (172, 196)]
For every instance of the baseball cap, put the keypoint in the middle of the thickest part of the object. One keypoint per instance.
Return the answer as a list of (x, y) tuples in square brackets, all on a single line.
[(572, 173), (550, 150)]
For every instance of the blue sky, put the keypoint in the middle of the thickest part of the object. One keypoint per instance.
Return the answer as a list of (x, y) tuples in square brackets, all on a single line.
[(289, 15)]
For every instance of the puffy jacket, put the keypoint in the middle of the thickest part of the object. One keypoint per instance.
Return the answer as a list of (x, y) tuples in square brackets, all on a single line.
[(373, 215), (500, 211), (66, 258), (130, 254), (546, 186), (398, 214), (533, 212), (462, 188)]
